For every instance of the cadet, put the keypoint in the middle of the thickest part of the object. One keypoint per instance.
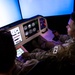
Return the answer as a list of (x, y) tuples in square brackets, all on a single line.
[(60, 51)]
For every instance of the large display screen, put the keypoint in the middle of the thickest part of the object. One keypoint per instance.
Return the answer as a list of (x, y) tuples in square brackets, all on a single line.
[(15, 10), (9, 12), (30, 8)]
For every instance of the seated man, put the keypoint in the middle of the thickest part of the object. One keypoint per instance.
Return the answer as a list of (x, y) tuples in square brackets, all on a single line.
[(8, 63), (58, 51), (61, 57)]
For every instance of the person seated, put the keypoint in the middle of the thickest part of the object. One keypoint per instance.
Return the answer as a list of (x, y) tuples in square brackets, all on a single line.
[(59, 51), (61, 57), (8, 63)]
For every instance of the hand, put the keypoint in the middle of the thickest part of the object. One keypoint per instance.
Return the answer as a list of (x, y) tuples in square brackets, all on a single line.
[(25, 54)]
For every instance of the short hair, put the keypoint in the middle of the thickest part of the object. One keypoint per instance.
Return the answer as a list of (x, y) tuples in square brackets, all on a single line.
[(7, 51), (72, 16)]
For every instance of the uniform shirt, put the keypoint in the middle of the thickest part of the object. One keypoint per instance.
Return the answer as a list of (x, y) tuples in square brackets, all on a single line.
[(58, 51)]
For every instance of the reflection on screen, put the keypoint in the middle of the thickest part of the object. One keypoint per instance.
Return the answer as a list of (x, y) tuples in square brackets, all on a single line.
[(9, 12), (16, 35), (31, 28), (30, 8)]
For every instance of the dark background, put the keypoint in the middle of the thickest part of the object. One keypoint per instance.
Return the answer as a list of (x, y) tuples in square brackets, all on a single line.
[(58, 23)]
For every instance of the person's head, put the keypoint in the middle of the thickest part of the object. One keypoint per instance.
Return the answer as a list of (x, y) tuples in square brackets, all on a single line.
[(7, 52), (71, 25)]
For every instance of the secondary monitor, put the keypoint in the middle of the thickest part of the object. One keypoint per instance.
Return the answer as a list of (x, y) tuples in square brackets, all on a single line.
[(31, 28), (16, 35), (43, 26)]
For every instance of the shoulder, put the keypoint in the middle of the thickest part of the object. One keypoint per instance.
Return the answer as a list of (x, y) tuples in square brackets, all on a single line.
[(64, 37)]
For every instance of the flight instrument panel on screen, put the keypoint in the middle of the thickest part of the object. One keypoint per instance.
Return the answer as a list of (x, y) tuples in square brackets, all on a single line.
[(31, 28), (28, 30)]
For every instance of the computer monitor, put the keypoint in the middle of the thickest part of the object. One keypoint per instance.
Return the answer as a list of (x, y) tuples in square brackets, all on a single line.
[(28, 30), (20, 51), (16, 35), (9, 12), (30, 8), (43, 26), (25, 31), (31, 28)]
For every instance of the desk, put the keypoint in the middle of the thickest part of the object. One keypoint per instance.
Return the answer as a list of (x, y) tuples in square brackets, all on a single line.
[(48, 35)]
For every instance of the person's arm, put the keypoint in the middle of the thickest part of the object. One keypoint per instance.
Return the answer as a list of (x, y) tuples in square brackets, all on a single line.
[(51, 44), (58, 51), (63, 38)]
